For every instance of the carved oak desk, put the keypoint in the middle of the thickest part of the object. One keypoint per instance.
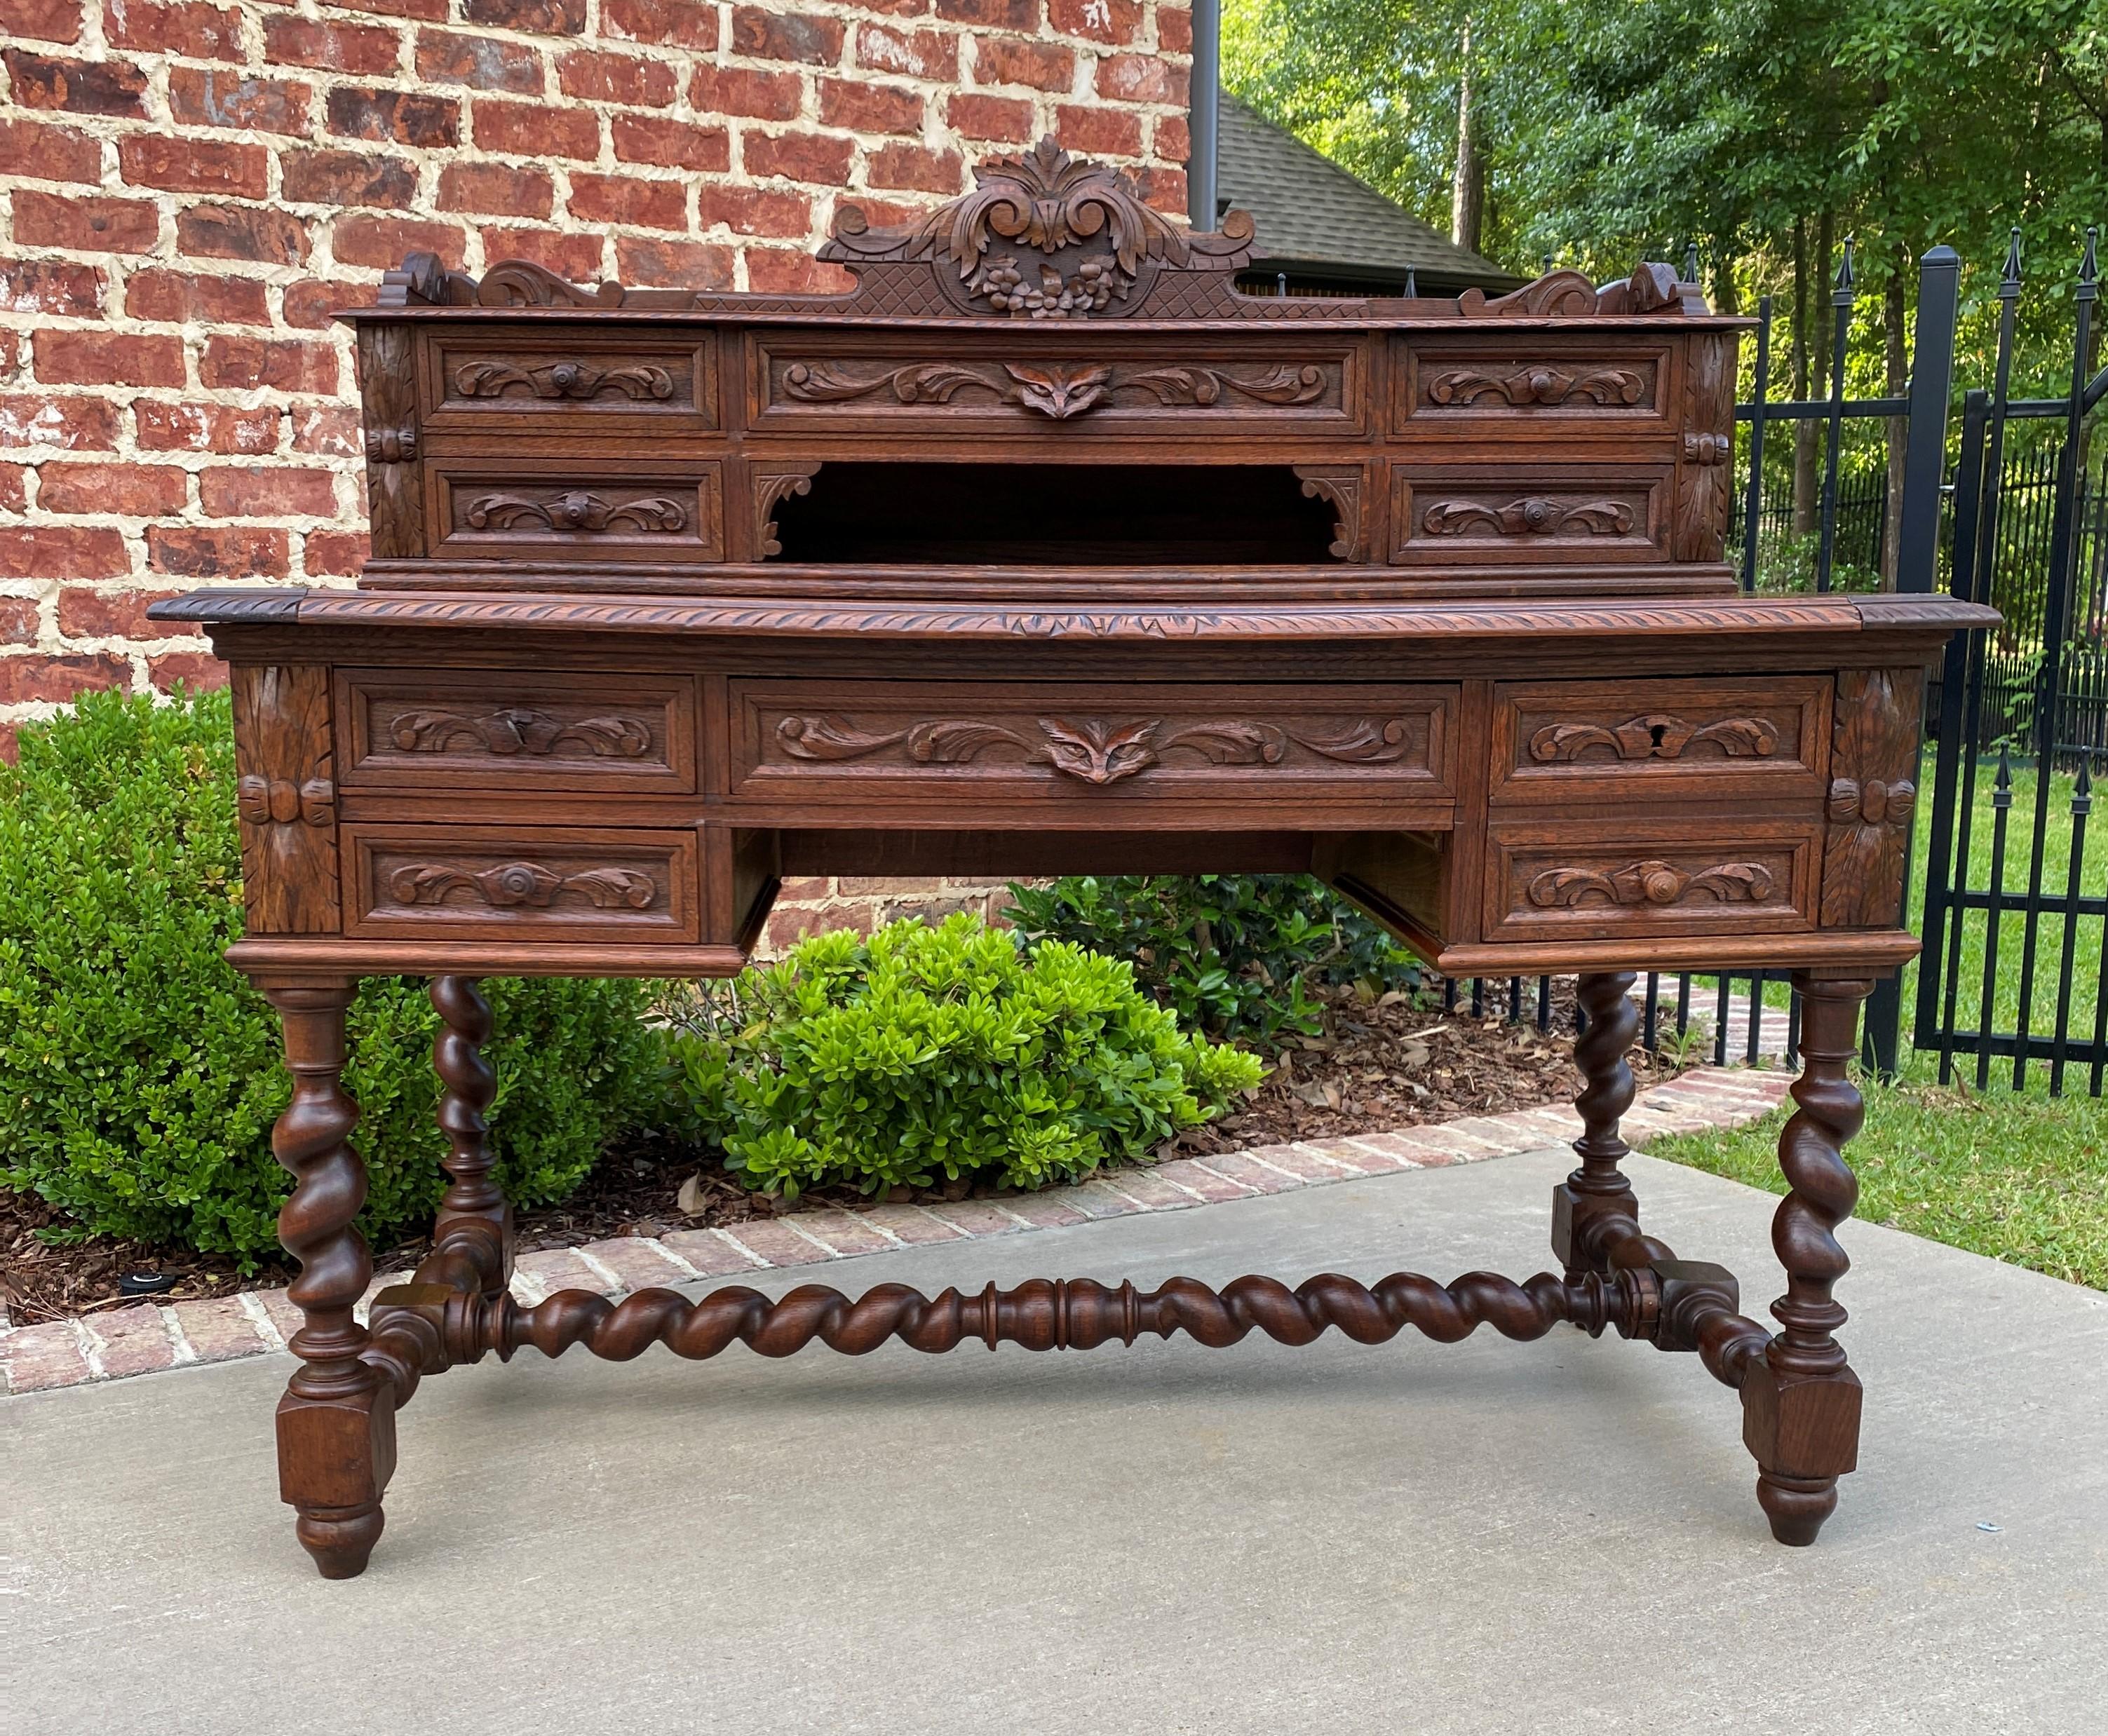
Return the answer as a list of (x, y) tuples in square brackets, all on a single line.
[(1046, 551)]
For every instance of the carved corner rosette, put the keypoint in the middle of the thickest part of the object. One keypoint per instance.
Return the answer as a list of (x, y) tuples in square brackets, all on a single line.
[(1873, 793)]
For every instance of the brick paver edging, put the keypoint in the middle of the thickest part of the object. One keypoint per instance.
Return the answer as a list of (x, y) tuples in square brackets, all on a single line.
[(145, 1338)]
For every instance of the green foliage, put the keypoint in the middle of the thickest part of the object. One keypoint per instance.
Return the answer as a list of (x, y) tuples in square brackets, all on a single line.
[(1232, 955), (2022, 1179), (139, 1075), (941, 1052), (1617, 129)]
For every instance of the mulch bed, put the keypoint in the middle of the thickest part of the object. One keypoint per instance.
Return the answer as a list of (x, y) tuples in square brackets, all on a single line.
[(1378, 1066)]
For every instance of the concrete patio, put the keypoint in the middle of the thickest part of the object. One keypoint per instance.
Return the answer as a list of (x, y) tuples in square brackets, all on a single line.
[(1483, 1537)]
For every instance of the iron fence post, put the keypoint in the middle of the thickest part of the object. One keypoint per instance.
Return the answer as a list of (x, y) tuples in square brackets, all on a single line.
[(1918, 546)]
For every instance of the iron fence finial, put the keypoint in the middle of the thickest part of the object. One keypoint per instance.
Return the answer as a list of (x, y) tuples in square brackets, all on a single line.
[(2010, 283), (2089, 272), (1847, 290), (1691, 262)]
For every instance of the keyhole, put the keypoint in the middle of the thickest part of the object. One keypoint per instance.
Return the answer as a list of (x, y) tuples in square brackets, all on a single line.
[(1658, 732)]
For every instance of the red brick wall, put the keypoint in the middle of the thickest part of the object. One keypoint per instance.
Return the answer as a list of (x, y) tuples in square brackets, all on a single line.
[(190, 186)]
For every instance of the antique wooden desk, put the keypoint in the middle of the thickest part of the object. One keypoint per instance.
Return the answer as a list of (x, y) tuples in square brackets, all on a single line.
[(1045, 551)]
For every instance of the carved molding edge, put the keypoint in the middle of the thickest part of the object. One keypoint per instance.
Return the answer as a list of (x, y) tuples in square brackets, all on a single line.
[(1652, 882)]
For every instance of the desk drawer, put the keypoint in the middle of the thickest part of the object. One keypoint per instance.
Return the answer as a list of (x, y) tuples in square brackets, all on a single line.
[(1530, 515), (646, 509), (526, 729), (849, 739), (1557, 741), (1601, 881), (520, 882)]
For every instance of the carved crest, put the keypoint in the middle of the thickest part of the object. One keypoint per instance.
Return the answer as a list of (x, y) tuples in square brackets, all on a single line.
[(1044, 235)]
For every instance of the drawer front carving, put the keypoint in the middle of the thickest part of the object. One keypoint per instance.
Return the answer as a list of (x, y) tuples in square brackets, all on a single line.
[(637, 511), (1592, 880), (579, 382), (1529, 515), (1601, 740), (520, 883), (413, 729), (1552, 384), (852, 738), (802, 384)]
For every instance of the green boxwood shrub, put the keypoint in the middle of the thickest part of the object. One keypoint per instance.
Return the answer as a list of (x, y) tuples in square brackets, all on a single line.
[(927, 1053), (140, 1075), (1231, 955)]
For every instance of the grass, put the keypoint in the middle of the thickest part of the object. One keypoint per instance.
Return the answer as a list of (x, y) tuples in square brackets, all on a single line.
[(2020, 1178)]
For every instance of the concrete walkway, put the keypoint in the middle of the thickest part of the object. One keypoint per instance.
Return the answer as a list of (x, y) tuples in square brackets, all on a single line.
[(1486, 1537)]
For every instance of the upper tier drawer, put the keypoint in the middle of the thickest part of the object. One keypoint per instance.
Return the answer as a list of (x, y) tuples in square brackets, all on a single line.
[(643, 508), (1556, 384), (1529, 515), (1555, 741), (1031, 384), (821, 740), (425, 729), (506, 380)]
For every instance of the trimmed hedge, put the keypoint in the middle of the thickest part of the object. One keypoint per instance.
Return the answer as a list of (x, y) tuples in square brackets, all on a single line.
[(140, 1075), (949, 1052)]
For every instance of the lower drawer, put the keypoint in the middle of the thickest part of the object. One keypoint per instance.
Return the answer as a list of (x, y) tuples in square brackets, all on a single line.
[(1601, 881), (512, 883)]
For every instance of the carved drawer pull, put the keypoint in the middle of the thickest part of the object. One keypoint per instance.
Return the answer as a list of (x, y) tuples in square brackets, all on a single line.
[(1654, 735), (1533, 516), (510, 885), (577, 509), (517, 730), (1651, 882)]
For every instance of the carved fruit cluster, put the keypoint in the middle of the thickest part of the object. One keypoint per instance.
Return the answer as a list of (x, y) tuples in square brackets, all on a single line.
[(1055, 297)]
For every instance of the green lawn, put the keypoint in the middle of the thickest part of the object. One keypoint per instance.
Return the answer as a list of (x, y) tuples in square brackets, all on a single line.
[(2021, 1178)]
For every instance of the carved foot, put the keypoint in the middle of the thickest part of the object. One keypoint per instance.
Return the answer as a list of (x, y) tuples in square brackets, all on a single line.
[(341, 1540)]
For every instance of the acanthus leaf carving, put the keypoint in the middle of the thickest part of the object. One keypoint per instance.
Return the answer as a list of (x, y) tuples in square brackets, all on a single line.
[(921, 383), (513, 729), (1651, 882), (567, 379), (1342, 489), (1534, 515), (1364, 743), (1057, 389), (1654, 735), (522, 884), (577, 509), (1539, 384), (771, 488)]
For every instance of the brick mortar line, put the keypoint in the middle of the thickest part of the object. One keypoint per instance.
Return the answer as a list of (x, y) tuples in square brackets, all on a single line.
[(71, 1352)]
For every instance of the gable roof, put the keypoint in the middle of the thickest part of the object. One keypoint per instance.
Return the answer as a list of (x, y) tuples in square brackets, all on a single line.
[(1314, 215)]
